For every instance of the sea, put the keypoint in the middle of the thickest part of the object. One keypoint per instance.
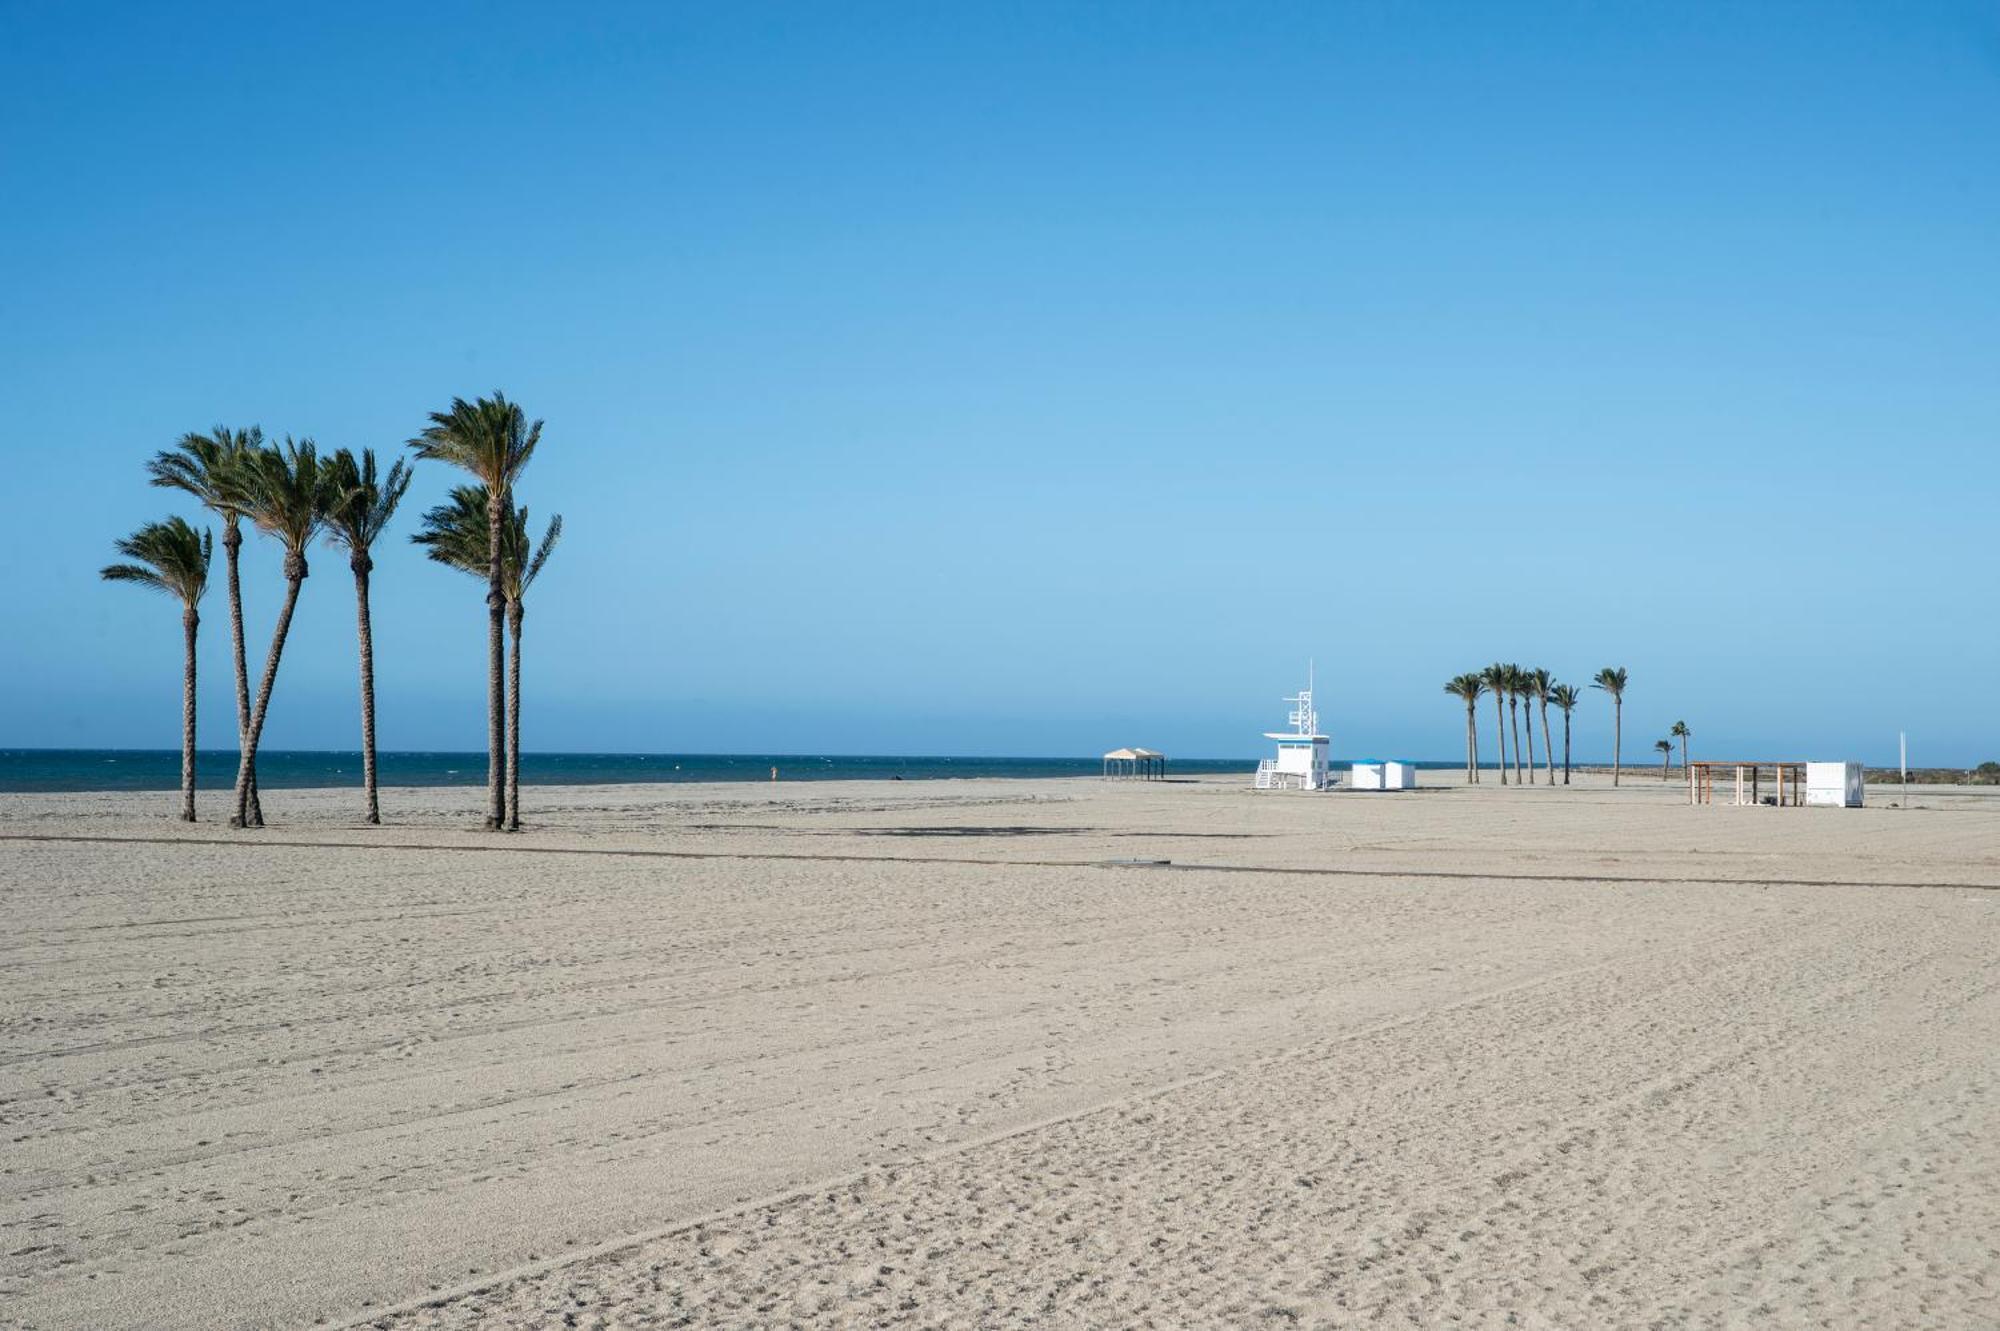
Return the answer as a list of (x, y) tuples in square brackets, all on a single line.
[(24, 770)]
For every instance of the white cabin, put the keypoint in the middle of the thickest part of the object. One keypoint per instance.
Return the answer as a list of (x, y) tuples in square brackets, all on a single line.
[(1300, 763), (1378, 774), (1839, 785)]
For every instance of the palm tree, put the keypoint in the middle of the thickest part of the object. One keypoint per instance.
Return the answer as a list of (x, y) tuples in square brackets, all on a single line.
[(1666, 752), (354, 526), (1539, 683), (1681, 733), (492, 440), (455, 535), (1516, 683), (1565, 697), (290, 493), (211, 468), (1467, 689), (1612, 680), (172, 557), (1495, 679), (523, 569)]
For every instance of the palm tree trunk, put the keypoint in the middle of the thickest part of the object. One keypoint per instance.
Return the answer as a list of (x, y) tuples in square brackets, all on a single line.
[(514, 612), (1471, 747), (1531, 742), (232, 545), (1514, 717), (256, 732), (1617, 739), (1500, 730), (497, 500), (1548, 744), (190, 621), (364, 628), (1565, 748)]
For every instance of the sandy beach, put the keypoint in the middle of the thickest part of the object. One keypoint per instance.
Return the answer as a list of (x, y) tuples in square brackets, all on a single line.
[(920, 1053)]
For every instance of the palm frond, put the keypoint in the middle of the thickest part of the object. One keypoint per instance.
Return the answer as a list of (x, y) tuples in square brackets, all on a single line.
[(454, 534), (542, 552), (490, 438), (365, 504), (1612, 680), (210, 467), (1468, 688), (291, 492), (170, 557)]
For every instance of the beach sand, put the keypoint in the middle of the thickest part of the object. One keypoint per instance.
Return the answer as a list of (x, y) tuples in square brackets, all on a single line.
[(887, 1053)]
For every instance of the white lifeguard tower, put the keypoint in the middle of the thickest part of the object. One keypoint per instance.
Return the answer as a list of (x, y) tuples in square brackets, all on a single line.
[(1301, 760)]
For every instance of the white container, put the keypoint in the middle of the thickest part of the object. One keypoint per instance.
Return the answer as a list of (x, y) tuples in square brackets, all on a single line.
[(1835, 785), (1399, 776), (1366, 776)]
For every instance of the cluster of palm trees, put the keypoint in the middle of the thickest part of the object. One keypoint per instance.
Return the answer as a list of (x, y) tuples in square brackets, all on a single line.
[(1510, 686), (294, 494)]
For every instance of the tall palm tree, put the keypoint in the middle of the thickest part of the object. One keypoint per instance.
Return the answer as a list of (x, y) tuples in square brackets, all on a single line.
[(172, 557), (1495, 679), (1565, 697), (1539, 683), (369, 504), (492, 440), (1665, 747), (455, 535), (1516, 684), (1612, 680), (210, 467), (523, 569), (1467, 689), (291, 491), (1681, 733)]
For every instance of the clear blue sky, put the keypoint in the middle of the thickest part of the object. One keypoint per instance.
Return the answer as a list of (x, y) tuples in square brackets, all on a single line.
[(1033, 379)]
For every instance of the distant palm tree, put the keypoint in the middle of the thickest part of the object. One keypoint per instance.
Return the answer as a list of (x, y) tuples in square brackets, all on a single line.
[(1495, 679), (1467, 689), (1681, 733), (291, 491), (211, 468), (455, 535), (1666, 751), (173, 558), (1565, 697), (491, 439), (1539, 683), (1516, 685), (354, 526), (1612, 680)]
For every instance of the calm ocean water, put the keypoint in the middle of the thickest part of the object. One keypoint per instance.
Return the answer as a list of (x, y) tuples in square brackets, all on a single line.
[(160, 769)]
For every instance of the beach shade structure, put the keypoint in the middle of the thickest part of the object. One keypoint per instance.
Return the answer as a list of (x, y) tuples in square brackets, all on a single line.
[(1787, 782), (1135, 763)]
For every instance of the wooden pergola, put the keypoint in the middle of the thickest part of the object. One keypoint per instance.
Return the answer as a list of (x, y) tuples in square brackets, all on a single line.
[(1140, 764), (1788, 781)]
